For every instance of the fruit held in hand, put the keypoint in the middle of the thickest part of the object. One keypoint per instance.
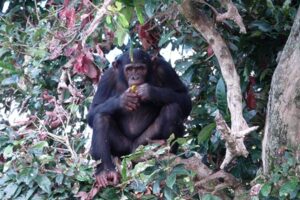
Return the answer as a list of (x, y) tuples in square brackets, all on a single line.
[(133, 88)]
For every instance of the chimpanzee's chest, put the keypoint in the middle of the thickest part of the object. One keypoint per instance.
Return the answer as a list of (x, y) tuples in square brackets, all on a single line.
[(134, 123)]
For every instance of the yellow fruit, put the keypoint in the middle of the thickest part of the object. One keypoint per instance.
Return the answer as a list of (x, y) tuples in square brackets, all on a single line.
[(133, 88)]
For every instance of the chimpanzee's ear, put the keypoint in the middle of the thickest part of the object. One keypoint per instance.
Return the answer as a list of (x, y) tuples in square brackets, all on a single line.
[(115, 64)]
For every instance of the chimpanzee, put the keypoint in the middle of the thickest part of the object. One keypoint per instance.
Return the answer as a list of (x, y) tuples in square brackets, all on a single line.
[(123, 119)]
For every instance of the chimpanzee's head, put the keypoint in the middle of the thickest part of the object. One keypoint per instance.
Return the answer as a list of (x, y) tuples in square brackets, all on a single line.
[(136, 70)]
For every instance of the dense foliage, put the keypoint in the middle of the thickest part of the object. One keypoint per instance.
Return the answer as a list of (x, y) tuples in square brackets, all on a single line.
[(47, 77)]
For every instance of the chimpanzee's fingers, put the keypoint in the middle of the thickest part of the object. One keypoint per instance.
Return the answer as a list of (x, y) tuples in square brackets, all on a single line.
[(130, 94), (132, 105), (133, 99)]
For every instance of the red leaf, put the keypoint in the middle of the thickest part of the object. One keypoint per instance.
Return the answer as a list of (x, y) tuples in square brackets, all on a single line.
[(149, 35), (210, 51), (250, 95), (70, 16), (66, 3), (86, 2), (69, 51)]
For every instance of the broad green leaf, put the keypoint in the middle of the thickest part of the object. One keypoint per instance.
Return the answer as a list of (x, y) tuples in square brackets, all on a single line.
[(59, 179), (180, 170), (10, 80), (165, 37), (3, 51), (206, 132), (210, 197), (121, 34), (44, 183), (8, 151), (124, 170), (221, 96), (122, 20), (156, 187), (30, 192), (127, 12), (261, 25), (289, 187), (171, 179), (139, 10), (40, 145), (10, 190), (168, 194), (27, 175), (7, 165), (108, 19), (150, 8), (138, 186), (266, 189)]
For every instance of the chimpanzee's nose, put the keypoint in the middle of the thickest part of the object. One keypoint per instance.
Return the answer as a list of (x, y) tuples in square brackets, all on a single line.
[(135, 78)]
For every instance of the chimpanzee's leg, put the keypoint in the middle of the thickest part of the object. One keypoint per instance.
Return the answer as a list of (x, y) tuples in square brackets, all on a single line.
[(107, 139), (169, 121)]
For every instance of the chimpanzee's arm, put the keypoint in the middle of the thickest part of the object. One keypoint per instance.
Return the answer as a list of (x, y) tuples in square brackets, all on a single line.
[(172, 89), (106, 100)]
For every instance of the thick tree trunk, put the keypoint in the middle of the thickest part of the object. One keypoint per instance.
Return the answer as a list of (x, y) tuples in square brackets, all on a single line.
[(282, 128)]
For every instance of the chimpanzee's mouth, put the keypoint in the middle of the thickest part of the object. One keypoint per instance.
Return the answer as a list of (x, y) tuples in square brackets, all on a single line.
[(135, 82)]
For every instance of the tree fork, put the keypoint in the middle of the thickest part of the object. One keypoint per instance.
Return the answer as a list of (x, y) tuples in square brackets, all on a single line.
[(235, 143)]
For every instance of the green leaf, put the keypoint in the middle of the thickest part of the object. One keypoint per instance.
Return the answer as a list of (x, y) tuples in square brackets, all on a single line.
[(138, 186), (10, 190), (139, 10), (59, 179), (168, 193), (44, 183), (123, 21), (261, 25), (171, 179), (27, 175), (210, 197), (289, 187), (30, 192), (266, 189), (150, 8), (8, 151), (156, 187), (121, 34), (108, 19), (124, 170), (40, 145), (10, 80), (165, 37), (221, 96), (206, 132)]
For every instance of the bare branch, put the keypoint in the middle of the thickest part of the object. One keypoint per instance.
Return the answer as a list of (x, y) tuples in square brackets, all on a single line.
[(232, 14), (92, 27), (234, 136)]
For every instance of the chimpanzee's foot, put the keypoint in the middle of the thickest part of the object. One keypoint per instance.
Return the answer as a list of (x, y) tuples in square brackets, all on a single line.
[(105, 178)]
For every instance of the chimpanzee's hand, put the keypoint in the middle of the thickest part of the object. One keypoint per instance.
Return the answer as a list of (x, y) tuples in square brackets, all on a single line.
[(129, 100), (143, 91)]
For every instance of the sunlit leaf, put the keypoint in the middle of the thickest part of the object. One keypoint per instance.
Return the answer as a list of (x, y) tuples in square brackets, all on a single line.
[(221, 96), (44, 183), (171, 179), (8, 151), (289, 187), (27, 175), (266, 189), (10, 190), (206, 132)]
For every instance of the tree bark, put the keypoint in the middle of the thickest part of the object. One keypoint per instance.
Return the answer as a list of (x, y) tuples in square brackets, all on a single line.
[(234, 137), (282, 129)]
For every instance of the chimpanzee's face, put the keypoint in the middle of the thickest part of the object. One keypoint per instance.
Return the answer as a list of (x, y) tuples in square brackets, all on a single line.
[(135, 73)]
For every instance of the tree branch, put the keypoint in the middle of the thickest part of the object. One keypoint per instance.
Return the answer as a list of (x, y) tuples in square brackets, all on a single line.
[(92, 27), (233, 136)]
